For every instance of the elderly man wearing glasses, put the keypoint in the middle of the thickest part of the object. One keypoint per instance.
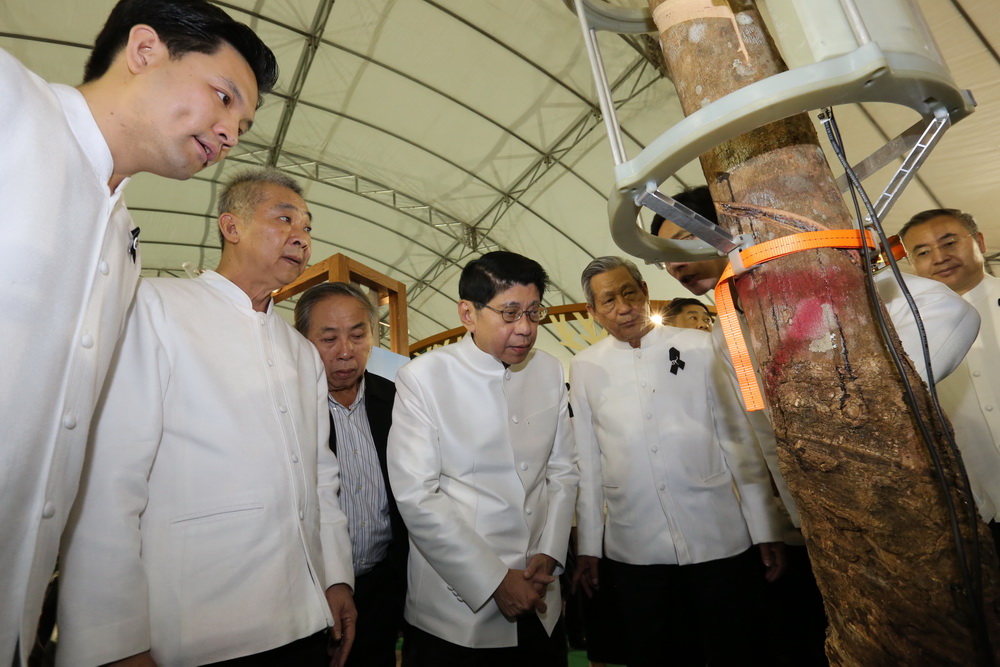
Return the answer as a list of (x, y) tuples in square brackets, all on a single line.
[(946, 245), (483, 467)]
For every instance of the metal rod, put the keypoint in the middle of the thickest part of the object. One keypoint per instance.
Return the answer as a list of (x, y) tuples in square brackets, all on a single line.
[(685, 218), (601, 83), (853, 15)]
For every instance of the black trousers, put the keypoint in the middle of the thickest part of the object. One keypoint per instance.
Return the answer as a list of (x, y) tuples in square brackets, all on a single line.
[(995, 533), (604, 626), (309, 651), (692, 615), (535, 648), (795, 605), (379, 595)]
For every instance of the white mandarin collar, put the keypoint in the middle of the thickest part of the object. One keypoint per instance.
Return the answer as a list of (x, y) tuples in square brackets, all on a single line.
[(232, 292), (86, 131), (651, 336), (980, 291), (483, 361)]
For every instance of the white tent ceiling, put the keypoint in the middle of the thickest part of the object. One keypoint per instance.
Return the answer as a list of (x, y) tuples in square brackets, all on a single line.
[(427, 131)]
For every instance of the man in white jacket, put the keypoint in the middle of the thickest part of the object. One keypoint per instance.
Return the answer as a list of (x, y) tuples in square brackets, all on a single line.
[(946, 245), (482, 464), (208, 527), (169, 87), (662, 442)]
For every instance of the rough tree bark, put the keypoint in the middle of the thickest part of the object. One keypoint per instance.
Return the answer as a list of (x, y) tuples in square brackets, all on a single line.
[(873, 514)]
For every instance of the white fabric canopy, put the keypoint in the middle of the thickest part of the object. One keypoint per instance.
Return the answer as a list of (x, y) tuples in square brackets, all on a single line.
[(428, 131)]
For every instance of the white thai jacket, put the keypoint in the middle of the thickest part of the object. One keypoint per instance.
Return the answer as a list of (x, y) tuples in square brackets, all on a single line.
[(482, 465)]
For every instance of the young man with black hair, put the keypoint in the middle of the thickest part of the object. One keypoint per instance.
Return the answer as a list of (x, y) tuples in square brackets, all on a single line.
[(483, 467), (170, 86)]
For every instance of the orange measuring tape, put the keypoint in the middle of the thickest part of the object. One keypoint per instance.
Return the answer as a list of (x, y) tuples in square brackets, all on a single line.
[(758, 254)]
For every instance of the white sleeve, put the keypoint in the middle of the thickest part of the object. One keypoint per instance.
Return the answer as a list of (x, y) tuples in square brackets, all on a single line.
[(435, 523), (743, 456), (561, 479), (590, 498), (336, 542), (759, 422), (951, 324), (103, 590)]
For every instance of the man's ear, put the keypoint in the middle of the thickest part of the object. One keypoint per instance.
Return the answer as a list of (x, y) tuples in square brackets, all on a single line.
[(980, 241), (230, 228), (144, 48), (466, 313), (645, 289), (593, 313)]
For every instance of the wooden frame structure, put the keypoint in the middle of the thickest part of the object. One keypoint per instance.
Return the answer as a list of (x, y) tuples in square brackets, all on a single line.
[(341, 268)]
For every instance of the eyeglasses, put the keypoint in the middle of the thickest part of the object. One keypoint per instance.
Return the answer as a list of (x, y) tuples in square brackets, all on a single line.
[(924, 253), (513, 313)]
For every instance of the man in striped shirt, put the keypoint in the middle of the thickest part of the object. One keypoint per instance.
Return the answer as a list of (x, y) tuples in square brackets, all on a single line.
[(340, 320)]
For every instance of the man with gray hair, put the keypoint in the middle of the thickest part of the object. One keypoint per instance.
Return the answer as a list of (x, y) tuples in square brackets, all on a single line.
[(663, 443), (341, 321), (208, 528)]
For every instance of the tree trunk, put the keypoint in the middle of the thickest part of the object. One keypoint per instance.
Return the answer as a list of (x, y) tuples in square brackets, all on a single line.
[(873, 513)]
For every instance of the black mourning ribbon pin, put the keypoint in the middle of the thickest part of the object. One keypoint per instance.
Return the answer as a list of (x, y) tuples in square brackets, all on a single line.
[(676, 363), (133, 246)]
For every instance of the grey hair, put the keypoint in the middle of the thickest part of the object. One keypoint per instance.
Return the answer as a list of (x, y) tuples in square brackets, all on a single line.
[(242, 193), (603, 265), (966, 219), (314, 295)]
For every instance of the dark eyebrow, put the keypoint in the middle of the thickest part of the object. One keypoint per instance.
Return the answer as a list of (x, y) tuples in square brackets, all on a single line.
[(939, 239), (237, 93)]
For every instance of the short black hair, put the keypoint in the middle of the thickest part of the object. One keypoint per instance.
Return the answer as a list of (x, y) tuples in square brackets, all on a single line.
[(184, 26), (485, 277), (677, 305), (965, 218), (698, 199)]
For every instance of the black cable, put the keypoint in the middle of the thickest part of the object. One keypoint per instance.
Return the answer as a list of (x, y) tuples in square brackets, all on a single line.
[(971, 574)]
